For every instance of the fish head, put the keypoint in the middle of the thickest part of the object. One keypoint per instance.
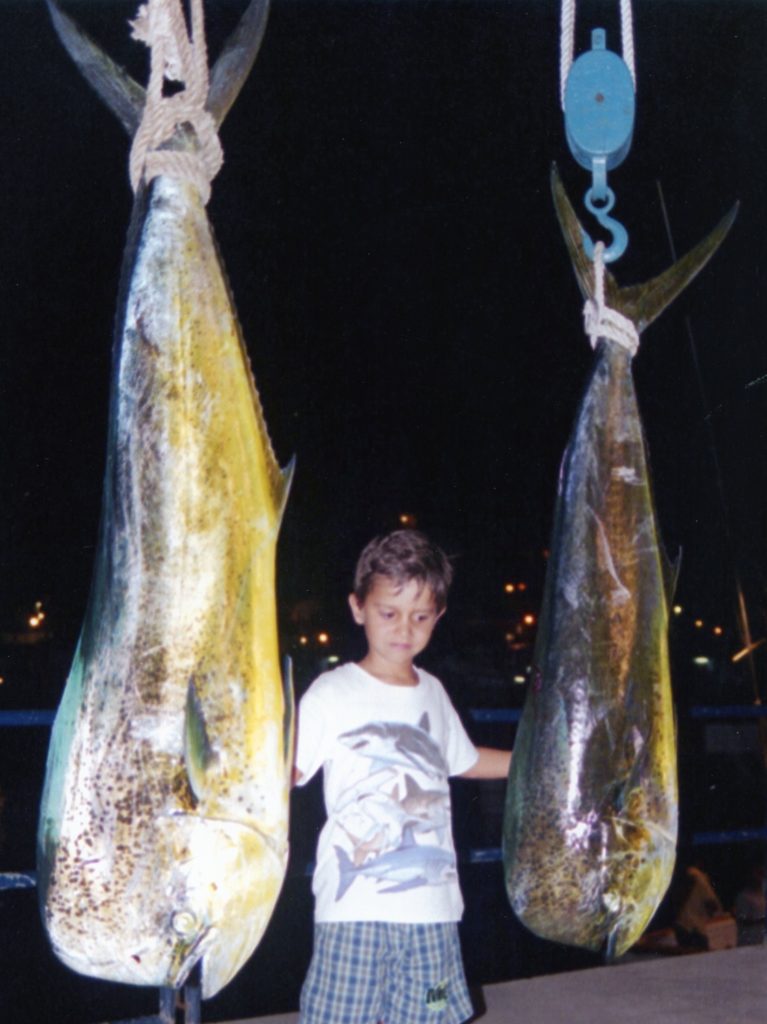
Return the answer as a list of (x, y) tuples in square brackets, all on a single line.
[(231, 883)]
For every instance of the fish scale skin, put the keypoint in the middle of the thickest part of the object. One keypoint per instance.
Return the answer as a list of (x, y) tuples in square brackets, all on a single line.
[(591, 815), (139, 875)]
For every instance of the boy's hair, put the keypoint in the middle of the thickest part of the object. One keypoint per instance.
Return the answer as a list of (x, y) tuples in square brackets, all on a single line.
[(402, 556)]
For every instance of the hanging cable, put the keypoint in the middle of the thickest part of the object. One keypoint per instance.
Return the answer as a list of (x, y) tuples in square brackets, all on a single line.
[(567, 42)]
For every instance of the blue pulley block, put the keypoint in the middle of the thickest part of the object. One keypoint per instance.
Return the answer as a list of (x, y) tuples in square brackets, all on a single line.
[(599, 106), (599, 124)]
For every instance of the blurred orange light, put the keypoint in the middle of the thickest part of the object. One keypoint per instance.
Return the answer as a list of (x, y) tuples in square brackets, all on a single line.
[(521, 586), (34, 622), (529, 620), (303, 640), (718, 631), (322, 638), (509, 588), (699, 623)]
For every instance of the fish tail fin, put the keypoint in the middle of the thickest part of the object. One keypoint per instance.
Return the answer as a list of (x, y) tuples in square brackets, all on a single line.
[(641, 303), (234, 63), (126, 98), (346, 873)]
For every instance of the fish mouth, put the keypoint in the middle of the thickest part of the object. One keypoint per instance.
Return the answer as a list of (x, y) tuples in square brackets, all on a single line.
[(187, 953)]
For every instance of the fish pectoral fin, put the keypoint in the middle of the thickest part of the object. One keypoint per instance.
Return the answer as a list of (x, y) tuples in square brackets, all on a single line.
[(198, 751), (124, 96), (282, 487), (288, 720), (670, 570), (234, 63)]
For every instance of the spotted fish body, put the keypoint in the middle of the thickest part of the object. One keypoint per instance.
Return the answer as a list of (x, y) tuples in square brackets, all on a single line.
[(163, 827), (591, 815)]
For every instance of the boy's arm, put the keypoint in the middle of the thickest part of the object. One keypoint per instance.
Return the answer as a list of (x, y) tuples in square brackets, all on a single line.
[(491, 764)]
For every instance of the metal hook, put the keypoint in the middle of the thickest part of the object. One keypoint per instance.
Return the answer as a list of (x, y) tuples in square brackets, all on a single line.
[(620, 239)]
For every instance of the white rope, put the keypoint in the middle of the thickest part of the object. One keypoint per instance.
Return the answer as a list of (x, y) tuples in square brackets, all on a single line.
[(567, 42), (175, 57), (599, 320)]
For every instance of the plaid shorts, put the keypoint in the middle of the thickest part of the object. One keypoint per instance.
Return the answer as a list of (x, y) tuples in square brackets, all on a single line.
[(363, 972)]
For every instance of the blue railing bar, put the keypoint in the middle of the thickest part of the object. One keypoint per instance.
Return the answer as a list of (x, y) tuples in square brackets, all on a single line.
[(488, 855), (737, 835), (500, 715), (729, 711), (34, 717), (18, 880), (482, 855)]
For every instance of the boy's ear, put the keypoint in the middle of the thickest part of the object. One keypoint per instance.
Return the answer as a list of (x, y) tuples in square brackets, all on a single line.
[(357, 614)]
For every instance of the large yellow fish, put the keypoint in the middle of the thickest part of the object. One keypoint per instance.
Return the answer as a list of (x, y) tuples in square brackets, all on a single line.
[(163, 828)]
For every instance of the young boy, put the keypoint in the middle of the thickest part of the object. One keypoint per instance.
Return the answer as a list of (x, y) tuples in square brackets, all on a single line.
[(387, 899)]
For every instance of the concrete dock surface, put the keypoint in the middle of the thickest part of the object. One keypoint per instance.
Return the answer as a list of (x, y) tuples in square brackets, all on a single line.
[(725, 987)]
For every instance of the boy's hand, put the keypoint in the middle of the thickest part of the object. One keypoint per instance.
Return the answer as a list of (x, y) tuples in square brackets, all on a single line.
[(491, 764)]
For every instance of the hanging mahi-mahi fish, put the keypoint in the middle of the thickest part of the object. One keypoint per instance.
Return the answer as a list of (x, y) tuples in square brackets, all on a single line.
[(163, 828), (591, 814)]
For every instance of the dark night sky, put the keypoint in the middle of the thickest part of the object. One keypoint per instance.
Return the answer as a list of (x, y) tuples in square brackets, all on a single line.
[(413, 323)]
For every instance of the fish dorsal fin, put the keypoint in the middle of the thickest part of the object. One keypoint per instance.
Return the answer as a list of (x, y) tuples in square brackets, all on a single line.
[(641, 303), (198, 752), (126, 98), (411, 786)]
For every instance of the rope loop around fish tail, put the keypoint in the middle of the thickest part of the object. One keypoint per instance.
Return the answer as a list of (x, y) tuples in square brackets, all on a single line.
[(600, 320), (175, 57)]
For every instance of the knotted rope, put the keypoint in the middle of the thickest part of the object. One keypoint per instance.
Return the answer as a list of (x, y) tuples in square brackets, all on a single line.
[(175, 57), (599, 320)]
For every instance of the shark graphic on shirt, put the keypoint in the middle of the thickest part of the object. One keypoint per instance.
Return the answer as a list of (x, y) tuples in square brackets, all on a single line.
[(398, 743)]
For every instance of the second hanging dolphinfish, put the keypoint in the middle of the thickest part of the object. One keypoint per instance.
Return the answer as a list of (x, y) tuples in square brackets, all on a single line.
[(591, 814)]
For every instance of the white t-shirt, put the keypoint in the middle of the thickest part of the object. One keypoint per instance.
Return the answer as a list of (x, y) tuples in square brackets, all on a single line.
[(386, 851)]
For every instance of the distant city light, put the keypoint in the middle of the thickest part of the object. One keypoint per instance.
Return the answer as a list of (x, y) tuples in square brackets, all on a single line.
[(529, 620), (699, 623), (519, 679), (677, 609), (36, 620), (303, 640), (718, 631), (322, 638), (406, 519), (2, 680), (521, 586), (333, 659), (509, 588), (702, 660)]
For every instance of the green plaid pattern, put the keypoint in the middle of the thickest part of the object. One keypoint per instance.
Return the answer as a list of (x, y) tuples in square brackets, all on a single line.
[(365, 972)]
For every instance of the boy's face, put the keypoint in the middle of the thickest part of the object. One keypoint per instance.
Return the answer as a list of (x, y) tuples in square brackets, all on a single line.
[(398, 621)]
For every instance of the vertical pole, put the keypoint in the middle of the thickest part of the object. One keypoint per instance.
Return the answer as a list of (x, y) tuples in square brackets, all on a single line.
[(192, 997), (167, 1014)]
